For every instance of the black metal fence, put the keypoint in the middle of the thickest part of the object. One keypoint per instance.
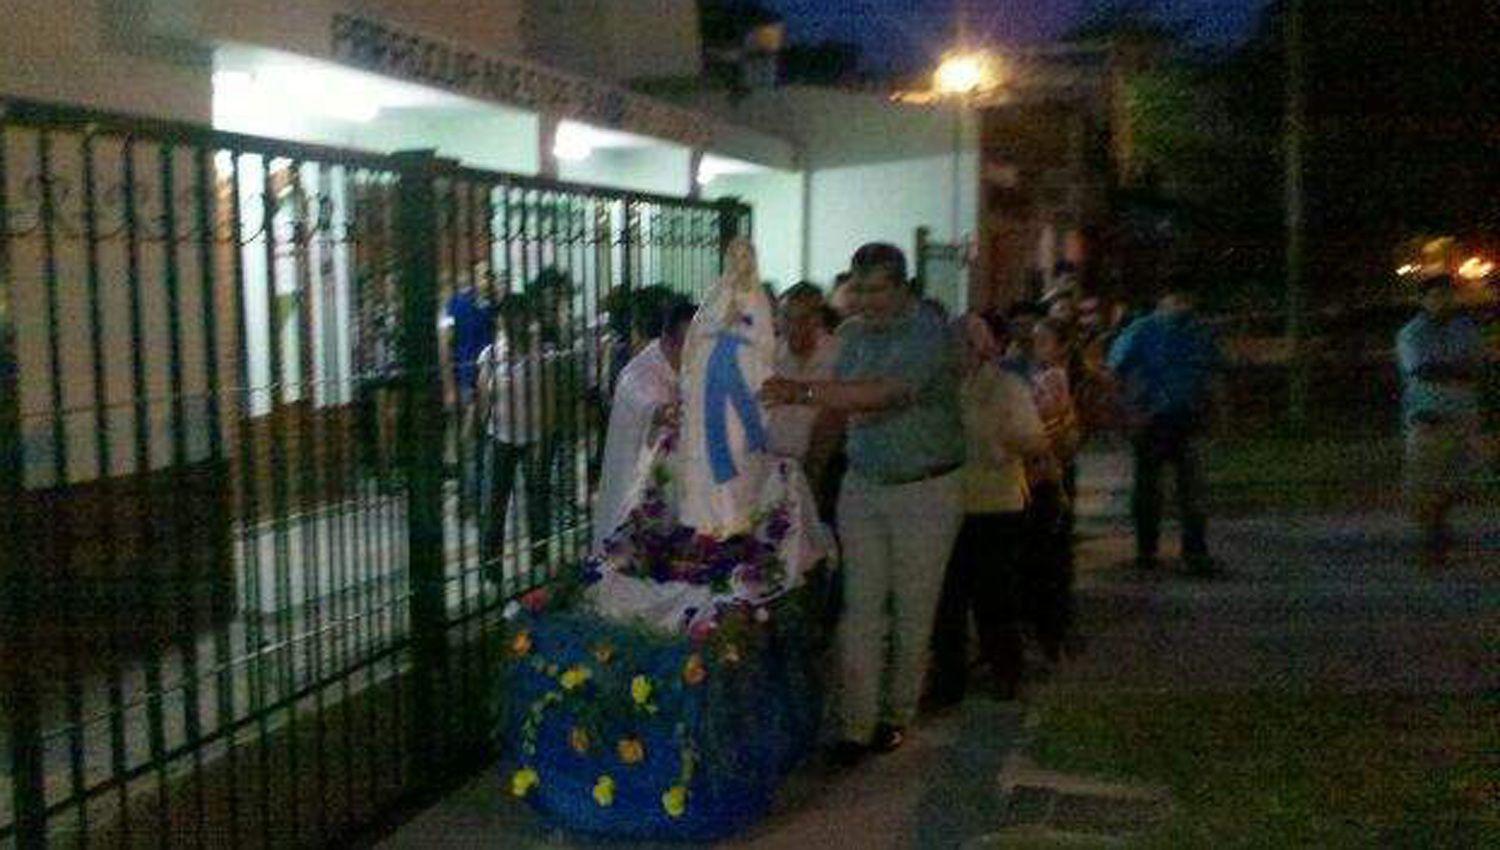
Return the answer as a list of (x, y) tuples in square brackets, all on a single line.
[(258, 525)]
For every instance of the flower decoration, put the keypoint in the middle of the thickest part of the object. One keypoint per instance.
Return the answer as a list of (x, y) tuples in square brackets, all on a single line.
[(674, 800), (730, 654), (631, 750), (574, 677), (701, 630), (604, 653), (523, 780), (578, 739), (604, 791), (520, 645), (693, 671), (536, 600), (651, 544), (640, 690)]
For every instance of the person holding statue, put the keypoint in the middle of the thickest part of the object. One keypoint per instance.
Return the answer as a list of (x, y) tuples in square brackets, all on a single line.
[(901, 505)]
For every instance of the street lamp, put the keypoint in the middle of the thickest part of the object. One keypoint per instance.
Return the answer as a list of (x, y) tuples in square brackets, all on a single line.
[(961, 75)]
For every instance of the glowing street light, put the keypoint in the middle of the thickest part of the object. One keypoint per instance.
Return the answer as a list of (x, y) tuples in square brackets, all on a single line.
[(1476, 268), (964, 73)]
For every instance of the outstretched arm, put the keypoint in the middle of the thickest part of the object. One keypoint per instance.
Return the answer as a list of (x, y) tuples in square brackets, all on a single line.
[(862, 396)]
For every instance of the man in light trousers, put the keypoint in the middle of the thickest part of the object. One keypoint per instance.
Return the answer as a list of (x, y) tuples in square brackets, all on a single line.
[(901, 503)]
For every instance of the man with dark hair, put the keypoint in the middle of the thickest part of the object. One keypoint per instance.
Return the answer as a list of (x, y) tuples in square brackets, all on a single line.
[(901, 504), (514, 372), (1167, 362), (646, 398), (1440, 354)]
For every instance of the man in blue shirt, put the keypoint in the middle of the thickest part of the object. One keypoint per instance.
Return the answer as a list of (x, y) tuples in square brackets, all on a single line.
[(900, 506), (1440, 354), (1167, 363)]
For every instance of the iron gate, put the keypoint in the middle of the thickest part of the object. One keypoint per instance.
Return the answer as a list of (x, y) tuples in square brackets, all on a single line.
[(249, 580)]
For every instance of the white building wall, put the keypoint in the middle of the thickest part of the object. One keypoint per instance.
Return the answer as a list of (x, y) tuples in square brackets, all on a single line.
[(776, 198), (886, 202), (664, 169)]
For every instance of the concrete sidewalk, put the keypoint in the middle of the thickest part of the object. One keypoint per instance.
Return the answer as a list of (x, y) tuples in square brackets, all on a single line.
[(1330, 602)]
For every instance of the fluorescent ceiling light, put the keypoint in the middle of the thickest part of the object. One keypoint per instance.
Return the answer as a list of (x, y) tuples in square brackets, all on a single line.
[(713, 167), (574, 142)]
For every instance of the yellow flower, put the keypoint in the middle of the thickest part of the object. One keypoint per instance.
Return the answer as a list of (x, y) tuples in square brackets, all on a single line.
[(523, 780), (631, 750), (604, 791), (520, 645), (640, 690), (578, 739), (693, 671), (575, 676), (603, 653), (675, 801)]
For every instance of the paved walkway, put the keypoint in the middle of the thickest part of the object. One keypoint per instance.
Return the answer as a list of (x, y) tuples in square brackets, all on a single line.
[(1333, 602)]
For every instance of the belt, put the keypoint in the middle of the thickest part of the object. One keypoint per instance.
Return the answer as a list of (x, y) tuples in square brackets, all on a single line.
[(924, 475)]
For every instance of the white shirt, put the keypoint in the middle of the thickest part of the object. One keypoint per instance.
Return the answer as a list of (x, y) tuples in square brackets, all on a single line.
[(522, 391), (647, 384), (791, 425)]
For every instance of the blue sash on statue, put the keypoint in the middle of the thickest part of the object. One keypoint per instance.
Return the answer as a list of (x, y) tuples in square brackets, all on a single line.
[(726, 387)]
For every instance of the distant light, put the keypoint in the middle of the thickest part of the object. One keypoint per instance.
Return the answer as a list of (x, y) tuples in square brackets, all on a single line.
[(1408, 270), (575, 142), (963, 73), (1476, 268)]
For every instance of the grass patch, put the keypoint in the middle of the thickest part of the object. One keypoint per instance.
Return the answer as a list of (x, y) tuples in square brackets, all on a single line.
[(1277, 770), (1280, 473)]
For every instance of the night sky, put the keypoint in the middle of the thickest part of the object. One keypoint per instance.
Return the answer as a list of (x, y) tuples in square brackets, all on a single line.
[(901, 32)]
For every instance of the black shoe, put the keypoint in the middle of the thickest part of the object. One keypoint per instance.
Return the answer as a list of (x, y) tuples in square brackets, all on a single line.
[(888, 738), (846, 754)]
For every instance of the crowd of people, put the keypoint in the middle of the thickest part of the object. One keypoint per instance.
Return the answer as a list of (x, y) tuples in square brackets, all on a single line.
[(958, 478), (942, 451)]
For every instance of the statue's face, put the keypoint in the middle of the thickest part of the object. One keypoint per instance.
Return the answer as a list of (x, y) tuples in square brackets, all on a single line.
[(739, 263)]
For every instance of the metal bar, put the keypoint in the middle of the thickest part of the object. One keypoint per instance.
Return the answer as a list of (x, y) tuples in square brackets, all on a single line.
[(421, 442), (457, 416), (249, 507), (510, 536), (63, 520), (186, 641), (18, 591), (156, 722), (369, 531), (103, 456), (394, 515), (308, 493), (280, 391), (226, 734), (223, 556), (338, 200)]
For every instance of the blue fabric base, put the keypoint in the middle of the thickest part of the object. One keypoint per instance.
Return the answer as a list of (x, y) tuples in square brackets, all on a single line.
[(750, 723)]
